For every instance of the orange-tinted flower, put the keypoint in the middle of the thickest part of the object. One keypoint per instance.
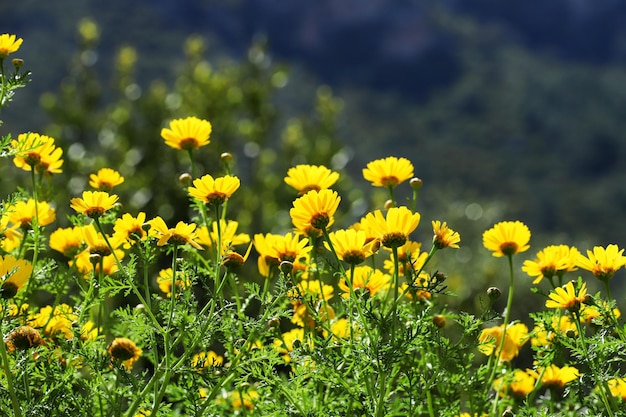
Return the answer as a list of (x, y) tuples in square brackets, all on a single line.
[(187, 134), (23, 338), (9, 44), (183, 233), (105, 179), (94, 203), (388, 172), (507, 238), (314, 210), (125, 351), (214, 191), (444, 237), (603, 262), (552, 260), (305, 178), (392, 230), (491, 338)]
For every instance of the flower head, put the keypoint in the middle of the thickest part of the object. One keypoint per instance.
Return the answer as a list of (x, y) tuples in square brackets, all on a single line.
[(507, 238), (125, 351), (9, 44), (38, 152), (55, 321), (165, 278), (350, 245), (603, 262), (553, 376), (305, 178), (388, 172), (13, 275), (617, 386), (23, 338), (518, 384), (314, 210), (214, 191), (94, 203), (365, 278), (22, 213), (129, 229), (444, 237), (491, 338), (392, 230), (552, 260), (205, 359), (181, 234), (67, 240), (187, 134), (566, 297), (105, 179)]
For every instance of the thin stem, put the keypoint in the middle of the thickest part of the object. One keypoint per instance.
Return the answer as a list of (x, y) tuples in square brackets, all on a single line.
[(9, 376)]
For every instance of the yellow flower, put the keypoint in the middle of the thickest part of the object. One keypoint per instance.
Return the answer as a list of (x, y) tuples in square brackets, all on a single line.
[(214, 191), (518, 384), (94, 203), (393, 230), (239, 400), (105, 179), (603, 262), (33, 150), (22, 213), (409, 258), (67, 240), (10, 237), (96, 242), (305, 178), (187, 134), (288, 247), (84, 263), (552, 260), (350, 245), (388, 172), (490, 339), (444, 237), (561, 325), (9, 44), (54, 321), (203, 359), (13, 275), (129, 229), (366, 278), (553, 376), (566, 297), (181, 234), (595, 314), (310, 301), (507, 238), (228, 235), (617, 386), (314, 210), (164, 281), (125, 351)]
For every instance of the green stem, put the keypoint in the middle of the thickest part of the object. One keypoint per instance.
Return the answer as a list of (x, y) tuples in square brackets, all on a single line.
[(9, 376)]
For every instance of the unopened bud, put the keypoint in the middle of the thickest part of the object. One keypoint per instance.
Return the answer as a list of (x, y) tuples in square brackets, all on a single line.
[(494, 293), (570, 333), (17, 63), (273, 322), (226, 157), (286, 267), (389, 204), (185, 179), (94, 258), (416, 183)]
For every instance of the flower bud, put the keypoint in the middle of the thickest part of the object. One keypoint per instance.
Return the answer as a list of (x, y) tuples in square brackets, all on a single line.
[(416, 183), (494, 293), (286, 267), (389, 204), (439, 321), (185, 179), (17, 63), (226, 157)]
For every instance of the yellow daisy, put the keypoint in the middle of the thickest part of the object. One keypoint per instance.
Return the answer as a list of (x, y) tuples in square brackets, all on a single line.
[(518, 384), (23, 338), (204, 359), (125, 351), (552, 260), (444, 237), (305, 178), (54, 321), (129, 229), (365, 278), (490, 339), (392, 230), (507, 238), (164, 281), (67, 241), (617, 386), (566, 297), (314, 210), (553, 376), (105, 179), (350, 245), (214, 191), (181, 234), (22, 213), (35, 151), (94, 203), (603, 262), (9, 44), (388, 172), (187, 134), (13, 275)]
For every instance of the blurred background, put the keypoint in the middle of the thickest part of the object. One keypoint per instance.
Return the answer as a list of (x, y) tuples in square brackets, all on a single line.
[(508, 110)]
